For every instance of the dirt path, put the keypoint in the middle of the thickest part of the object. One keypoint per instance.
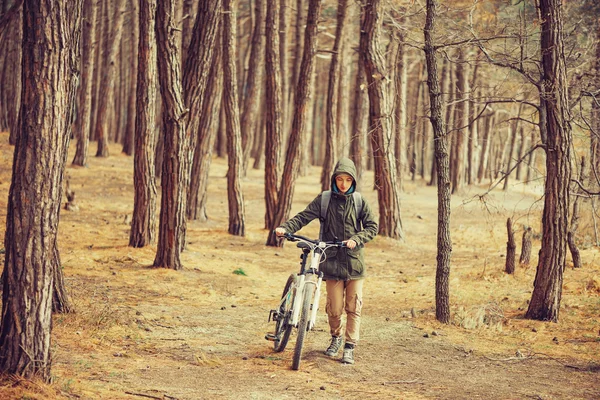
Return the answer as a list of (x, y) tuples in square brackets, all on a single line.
[(142, 333)]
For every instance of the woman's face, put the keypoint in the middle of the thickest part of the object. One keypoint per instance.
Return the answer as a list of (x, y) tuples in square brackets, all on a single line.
[(343, 182)]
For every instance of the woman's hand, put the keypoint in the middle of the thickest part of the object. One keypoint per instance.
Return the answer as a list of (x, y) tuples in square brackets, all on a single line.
[(279, 231), (350, 244)]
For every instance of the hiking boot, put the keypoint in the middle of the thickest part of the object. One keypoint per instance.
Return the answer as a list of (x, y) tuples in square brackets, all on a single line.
[(348, 357), (334, 347)]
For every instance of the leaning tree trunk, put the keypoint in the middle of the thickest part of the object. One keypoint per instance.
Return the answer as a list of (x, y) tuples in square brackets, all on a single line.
[(143, 222), (332, 100), (87, 78), (303, 93), (107, 81), (546, 296), (234, 136), (444, 242), (173, 201), (50, 71), (274, 116), (380, 107)]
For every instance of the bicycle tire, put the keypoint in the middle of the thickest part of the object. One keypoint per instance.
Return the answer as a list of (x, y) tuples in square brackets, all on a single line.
[(309, 291), (283, 328)]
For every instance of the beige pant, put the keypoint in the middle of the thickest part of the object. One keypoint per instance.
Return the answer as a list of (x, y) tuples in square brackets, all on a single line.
[(351, 302)]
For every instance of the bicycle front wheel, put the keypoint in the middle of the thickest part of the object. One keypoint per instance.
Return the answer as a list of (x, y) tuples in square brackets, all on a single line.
[(283, 327), (309, 291)]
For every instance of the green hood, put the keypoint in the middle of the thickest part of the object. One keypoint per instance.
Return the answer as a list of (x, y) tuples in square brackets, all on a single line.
[(344, 166)]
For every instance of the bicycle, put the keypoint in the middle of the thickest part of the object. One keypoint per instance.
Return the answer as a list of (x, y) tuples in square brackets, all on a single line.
[(300, 299)]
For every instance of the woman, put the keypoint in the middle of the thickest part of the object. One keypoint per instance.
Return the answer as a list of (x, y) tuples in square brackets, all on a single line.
[(348, 218)]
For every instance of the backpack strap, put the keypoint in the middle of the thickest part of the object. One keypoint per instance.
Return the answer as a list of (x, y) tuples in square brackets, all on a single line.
[(325, 199), (358, 206)]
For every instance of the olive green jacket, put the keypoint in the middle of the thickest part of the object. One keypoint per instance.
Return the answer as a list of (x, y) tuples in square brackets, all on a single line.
[(340, 224)]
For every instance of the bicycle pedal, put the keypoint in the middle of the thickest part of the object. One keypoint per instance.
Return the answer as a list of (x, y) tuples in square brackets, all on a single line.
[(270, 337)]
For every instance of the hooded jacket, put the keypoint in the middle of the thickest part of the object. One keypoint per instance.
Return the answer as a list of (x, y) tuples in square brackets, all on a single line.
[(340, 224)]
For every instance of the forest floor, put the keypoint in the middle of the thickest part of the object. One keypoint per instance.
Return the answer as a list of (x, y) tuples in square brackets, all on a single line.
[(140, 332)]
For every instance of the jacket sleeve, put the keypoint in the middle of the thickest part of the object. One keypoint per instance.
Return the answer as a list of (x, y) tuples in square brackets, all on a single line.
[(312, 211), (370, 226)]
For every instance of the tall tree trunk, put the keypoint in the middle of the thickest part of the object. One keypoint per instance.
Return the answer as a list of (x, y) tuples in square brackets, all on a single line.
[(129, 139), (400, 109), (572, 234), (359, 121), (546, 296), (274, 117), (594, 176), (486, 144), (207, 132), (461, 121), (50, 72), (332, 99), (253, 84), (444, 242), (284, 15), (234, 136), (87, 77), (473, 132), (303, 92), (11, 42), (380, 106), (171, 237), (511, 149), (143, 222), (201, 64), (107, 82)]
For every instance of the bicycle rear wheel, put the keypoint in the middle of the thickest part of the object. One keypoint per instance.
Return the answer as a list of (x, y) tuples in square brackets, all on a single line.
[(283, 328), (309, 291)]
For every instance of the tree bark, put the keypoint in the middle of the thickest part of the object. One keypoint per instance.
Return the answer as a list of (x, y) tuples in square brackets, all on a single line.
[(547, 292), (511, 248), (380, 102), (171, 237), (274, 116), (129, 138), (332, 100), (234, 136), (107, 82), (50, 72), (143, 222), (444, 242), (303, 92)]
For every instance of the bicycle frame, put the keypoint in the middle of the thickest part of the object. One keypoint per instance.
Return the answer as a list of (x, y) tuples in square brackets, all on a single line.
[(315, 249)]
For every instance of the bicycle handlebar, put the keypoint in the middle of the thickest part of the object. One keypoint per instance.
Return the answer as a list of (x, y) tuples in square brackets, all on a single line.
[(294, 238)]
